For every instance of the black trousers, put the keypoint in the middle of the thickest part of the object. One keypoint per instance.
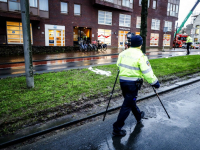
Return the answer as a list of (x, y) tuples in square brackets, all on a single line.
[(130, 92), (188, 47)]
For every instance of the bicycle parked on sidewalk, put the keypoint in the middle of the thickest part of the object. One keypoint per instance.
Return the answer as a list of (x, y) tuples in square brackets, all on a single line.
[(101, 46), (83, 46)]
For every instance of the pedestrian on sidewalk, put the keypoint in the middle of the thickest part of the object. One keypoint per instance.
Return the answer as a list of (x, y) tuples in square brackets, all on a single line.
[(189, 43), (133, 66)]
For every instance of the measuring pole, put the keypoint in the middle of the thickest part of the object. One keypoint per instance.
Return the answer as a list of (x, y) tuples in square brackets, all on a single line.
[(27, 43)]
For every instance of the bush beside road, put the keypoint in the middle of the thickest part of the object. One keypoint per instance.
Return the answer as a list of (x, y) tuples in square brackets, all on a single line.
[(67, 89)]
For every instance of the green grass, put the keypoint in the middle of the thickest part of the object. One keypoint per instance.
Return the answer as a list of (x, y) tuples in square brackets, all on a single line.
[(56, 89)]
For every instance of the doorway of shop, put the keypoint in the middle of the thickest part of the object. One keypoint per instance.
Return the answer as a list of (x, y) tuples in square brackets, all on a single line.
[(81, 35), (122, 39), (56, 38)]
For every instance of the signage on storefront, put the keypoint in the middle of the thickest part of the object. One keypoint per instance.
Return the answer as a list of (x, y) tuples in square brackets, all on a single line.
[(51, 41), (55, 27), (124, 29), (13, 31)]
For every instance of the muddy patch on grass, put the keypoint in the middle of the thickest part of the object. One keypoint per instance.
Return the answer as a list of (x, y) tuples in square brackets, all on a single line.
[(81, 108)]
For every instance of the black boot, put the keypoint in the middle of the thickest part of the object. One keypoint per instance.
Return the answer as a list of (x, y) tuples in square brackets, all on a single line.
[(142, 116), (119, 133)]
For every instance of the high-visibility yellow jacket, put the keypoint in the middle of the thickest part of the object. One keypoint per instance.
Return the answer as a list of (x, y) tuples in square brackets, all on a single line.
[(189, 39), (134, 65)]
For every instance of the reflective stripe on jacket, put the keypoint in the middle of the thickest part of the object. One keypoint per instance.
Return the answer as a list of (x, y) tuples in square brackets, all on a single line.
[(189, 39), (134, 65)]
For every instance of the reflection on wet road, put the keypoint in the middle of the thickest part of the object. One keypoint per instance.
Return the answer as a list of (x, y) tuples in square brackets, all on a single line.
[(15, 69), (157, 132)]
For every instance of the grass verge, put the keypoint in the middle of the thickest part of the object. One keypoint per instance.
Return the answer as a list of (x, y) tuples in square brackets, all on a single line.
[(58, 89)]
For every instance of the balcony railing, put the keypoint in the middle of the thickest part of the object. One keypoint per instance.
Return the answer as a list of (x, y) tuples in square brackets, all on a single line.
[(9, 5), (14, 6)]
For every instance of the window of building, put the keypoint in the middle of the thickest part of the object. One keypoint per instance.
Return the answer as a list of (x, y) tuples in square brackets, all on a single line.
[(197, 29), (3, 0), (104, 36), (15, 33), (111, 1), (166, 39), (155, 24), (44, 5), (173, 8), (33, 3), (124, 20), (64, 7), (195, 39), (168, 24), (138, 22), (154, 4), (176, 8), (127, 3), (77, 10), (154, 39), (105, 17), (140, 3)]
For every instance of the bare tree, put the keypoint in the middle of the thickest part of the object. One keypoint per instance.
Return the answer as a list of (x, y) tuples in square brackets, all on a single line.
[(143, 28)]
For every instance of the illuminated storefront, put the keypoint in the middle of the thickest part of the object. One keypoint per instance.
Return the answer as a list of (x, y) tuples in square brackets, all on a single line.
[(166, 39), (81, 34), (104, 36), (15, 33), (154, 39), (54, 35), (122, 38)]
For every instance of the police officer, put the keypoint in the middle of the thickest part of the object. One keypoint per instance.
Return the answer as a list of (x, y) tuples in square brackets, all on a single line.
[(189, 43), (133, 66)]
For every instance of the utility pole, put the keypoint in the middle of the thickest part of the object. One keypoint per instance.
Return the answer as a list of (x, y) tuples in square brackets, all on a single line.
[(27, 43), (143, 28)]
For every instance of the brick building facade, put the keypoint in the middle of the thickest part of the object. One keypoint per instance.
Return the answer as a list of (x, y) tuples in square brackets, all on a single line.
[(66, 22)]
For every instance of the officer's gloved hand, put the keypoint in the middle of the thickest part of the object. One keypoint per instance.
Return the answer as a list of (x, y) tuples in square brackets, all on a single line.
[(156, 85)]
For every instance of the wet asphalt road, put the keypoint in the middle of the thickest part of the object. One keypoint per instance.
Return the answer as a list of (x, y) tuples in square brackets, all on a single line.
[(181, 132), (17, 69)]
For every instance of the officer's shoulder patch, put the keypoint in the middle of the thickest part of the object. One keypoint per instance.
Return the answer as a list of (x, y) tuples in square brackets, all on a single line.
[(148, 64)]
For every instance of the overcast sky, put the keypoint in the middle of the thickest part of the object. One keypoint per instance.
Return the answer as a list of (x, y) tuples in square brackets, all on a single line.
[(185, 7)]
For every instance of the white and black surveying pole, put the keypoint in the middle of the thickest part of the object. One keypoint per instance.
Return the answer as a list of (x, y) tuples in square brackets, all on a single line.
[(27, 43)]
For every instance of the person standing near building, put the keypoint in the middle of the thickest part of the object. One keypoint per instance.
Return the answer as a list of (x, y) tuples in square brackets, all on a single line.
[(189, 43), (133, 66)]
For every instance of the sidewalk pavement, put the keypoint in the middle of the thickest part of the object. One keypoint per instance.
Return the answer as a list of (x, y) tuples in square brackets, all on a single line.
[(12, 59)]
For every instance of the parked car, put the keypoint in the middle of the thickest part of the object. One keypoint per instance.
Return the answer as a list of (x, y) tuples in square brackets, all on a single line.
[(195, 45), (184, 45)]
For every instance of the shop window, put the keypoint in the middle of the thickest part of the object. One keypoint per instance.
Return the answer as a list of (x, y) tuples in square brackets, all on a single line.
[(64, 7), (77, 10), (137, 33), (154, 4), (140, 3), (124, 20), (105, 17), (44, 5), (197, 30), (168, 24), (33, 3), (154, 39), (155, 24), (15, 33), (138, 22), (104, 36), (166, 39), (195, 39)]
